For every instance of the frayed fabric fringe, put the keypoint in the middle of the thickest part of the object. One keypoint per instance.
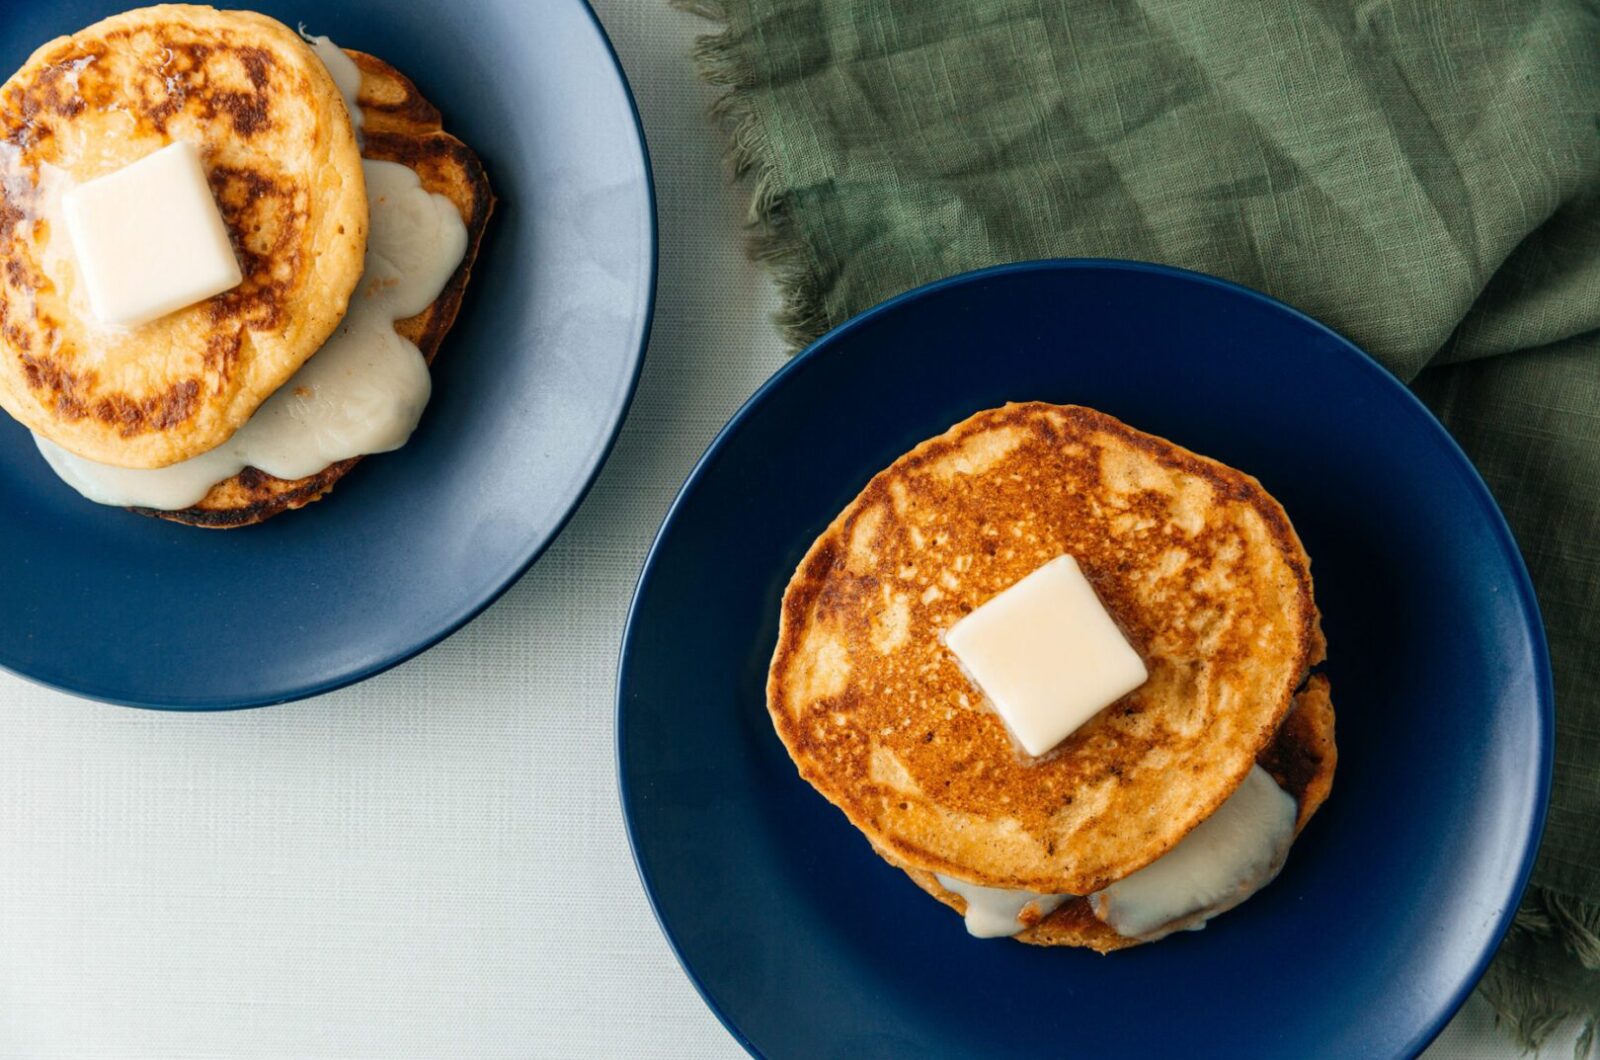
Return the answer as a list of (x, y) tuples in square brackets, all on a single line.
[(1548, 972)]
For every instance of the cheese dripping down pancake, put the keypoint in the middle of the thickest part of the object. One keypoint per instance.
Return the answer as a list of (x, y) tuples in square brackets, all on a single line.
[(415, 161), (1301, 760), (282, 161), (1197, 564)]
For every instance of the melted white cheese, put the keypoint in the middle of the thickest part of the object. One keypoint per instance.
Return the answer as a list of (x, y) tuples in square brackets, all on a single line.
[(362, 392), (994, 912), (1226, 858), (346, 75)]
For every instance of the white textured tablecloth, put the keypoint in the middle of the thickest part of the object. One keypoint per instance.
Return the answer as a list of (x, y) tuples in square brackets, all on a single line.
[(430, 864)]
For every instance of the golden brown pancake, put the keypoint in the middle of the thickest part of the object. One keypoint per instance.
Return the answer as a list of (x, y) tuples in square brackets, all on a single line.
[(281, 156), (1301, 759), (398, 126), (1195, 561)]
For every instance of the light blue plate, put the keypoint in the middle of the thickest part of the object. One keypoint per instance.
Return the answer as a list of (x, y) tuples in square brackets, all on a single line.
[(530, 390)]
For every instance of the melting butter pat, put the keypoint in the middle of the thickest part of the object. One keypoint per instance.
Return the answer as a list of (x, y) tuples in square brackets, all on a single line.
[(149, 238), (1047, 655)]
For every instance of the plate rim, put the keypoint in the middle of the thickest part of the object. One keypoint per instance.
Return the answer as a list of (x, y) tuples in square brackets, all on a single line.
[(1527, 599), (203, 705)]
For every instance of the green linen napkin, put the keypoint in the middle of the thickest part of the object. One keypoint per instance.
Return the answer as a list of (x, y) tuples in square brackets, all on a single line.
[(1423, 176)]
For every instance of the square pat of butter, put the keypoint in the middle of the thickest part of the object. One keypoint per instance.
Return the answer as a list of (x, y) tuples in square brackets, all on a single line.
[(1047, 654), (149, 238)]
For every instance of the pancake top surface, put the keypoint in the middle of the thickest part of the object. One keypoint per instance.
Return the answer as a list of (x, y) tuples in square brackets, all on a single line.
[(1195, 561), (283, 164)]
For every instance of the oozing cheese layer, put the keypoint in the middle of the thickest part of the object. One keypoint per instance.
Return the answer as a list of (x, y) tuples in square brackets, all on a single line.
[(1228, 857), (362, 392)]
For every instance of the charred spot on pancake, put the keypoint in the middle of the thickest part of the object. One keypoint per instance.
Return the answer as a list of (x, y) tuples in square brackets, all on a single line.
[(1290, 763), (248, 111), (252, 478), (183, 71), (10, 214), (157, 412), (222, 350), (131, 416), (163, 85), (46, 374), (56, 90), (257, 62), (266, 219), (17, 337)]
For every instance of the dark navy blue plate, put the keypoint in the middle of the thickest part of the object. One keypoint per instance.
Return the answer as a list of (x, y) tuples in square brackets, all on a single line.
[(529, 391), (807, 945)]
